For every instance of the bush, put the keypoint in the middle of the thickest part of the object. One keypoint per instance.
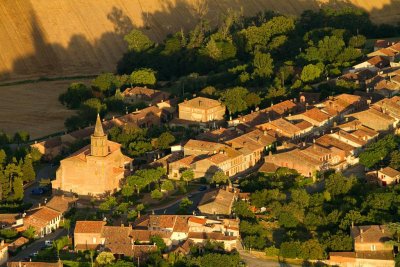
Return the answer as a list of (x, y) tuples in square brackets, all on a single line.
[(271, 251)]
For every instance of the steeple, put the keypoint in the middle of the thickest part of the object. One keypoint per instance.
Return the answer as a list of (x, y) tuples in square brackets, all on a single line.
[(98, 129), (98, 140)]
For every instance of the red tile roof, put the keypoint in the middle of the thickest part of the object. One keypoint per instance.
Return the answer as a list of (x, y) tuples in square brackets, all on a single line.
[(83, 227)]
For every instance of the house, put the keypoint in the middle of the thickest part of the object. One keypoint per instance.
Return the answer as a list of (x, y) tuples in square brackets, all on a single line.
[(221, 134), (230, 242), (388, 106), (17, 243), (87, 234), (376, 120), (101, 163), (143, 94), (309, 98), (375, 63), (217, 202), (3, 252), (10, 220), (286, 128), (44, 220), (339, 106), (201, 109), (62, 203), (370, 248), (49, 148), (388, 176), (387, 88), (34, 264)]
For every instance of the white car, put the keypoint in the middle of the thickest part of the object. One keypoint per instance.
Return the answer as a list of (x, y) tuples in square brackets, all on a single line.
[(48, 243)]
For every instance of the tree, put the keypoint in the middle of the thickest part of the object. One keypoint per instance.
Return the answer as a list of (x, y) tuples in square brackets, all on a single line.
[(106, 83), (28, 170), (75, 95), (395, 159), (105, 258), (338, 184), (139, 208), (263, 65), (234, 99), (66, 224), (187, 176), (290, 249), (127, 190), (165, 140), (18, 188), (156, 239), (394, 228), (167, 185), (287, 220), (212, 49), (357, 41), (310, 73), (91, 107), (242, 210), (21, 137), (29, 233), (3, 157), (312, 250), (143, 77), (184, 205), (59, 244), (36, 155), (208, 91), (156, 194), (220, 178), (137, 41), (252, 100)]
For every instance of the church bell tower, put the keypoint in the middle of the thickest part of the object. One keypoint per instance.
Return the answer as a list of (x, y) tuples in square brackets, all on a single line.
[(98, 140)]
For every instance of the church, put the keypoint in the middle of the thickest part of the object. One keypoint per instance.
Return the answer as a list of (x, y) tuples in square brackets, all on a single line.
[(95, 170)]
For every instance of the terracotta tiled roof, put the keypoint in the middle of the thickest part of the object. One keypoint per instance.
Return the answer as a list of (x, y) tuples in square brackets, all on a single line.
[(328, 141), (83, 227), (61, 203), (41, 217), (18, 243), (370, 234), (140, 235), (316, 114), (390, 172), (197, 220), (303, 125), (268, 167), (219, 201)]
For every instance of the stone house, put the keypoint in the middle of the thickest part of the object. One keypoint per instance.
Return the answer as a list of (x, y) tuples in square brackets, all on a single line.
[(376, 120), (143, 94), (87, 234), (201, 109), (286, 129), (388, 176), (44, 220), (230, 242), (17, 243), (3, 253), (217, 202)]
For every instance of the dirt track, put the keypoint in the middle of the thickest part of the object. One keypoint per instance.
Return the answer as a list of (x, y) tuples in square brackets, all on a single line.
[(75, 37)]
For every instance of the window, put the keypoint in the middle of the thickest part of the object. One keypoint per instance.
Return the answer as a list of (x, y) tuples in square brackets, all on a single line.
[(373, 248)]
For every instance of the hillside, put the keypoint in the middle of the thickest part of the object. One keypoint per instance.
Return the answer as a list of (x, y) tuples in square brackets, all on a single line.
[(77, 37)]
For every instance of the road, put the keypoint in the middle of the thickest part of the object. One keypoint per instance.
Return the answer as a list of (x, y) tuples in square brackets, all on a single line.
[(174, 207), (253, 261), (46, 171), (38, 244)]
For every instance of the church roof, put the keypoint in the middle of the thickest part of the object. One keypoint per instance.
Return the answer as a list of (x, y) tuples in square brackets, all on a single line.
[(98, 129)]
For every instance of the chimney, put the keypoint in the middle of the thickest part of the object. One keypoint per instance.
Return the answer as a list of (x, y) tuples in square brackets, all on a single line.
[(2, 242), (382, 229), (265, 133)]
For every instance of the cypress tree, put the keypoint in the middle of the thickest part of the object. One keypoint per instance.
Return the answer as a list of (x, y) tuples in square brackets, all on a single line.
[(27, 169)]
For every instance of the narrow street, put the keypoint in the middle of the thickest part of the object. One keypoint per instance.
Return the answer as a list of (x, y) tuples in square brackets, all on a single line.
[(38, 244), (253, 261), (45, 171), (173, 207)]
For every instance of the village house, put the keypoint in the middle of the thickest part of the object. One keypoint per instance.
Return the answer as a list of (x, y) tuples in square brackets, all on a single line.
[(3, 252), (217, 202), (347, 152), (230, 242), (370, 248), (101, 163), (201, 109), (339, 106), (287, 129), (375, 63), (10, 220), (62, 203), (388, 176), (44, 220), (143, 94), (390, 52), (388, 106), (17, 243), (221, 134), (376, 120), (314, 116)]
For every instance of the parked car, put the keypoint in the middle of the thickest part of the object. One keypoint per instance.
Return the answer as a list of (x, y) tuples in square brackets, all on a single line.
[(48, 243), (40, 190), (202, 188), (34, 254)]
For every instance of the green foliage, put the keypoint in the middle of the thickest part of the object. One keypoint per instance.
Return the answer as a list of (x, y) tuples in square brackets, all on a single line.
[(29, 233), (310, 73), (263, 65), (156, 239), (220, 178), (165, 140), (187, 175), (214, 259), (290, 249), (184, 205), (106, 83), (75, 95), (143, 77), (252, 100), (108, 204), (18, 188), (156, 194), (271, 251), (242, 209), (234, 99), (137, 41), (395, 159), (357, 41), (28, 170), (167, 185), (91, 107), (8, 233), (337, 184), (105, 258), (375, 152)]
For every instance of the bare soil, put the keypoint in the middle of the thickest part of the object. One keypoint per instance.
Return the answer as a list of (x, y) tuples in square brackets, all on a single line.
[(34, 108)]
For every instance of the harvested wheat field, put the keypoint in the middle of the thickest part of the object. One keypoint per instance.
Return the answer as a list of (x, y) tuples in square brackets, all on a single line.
[(77, 37), (33, 108)]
